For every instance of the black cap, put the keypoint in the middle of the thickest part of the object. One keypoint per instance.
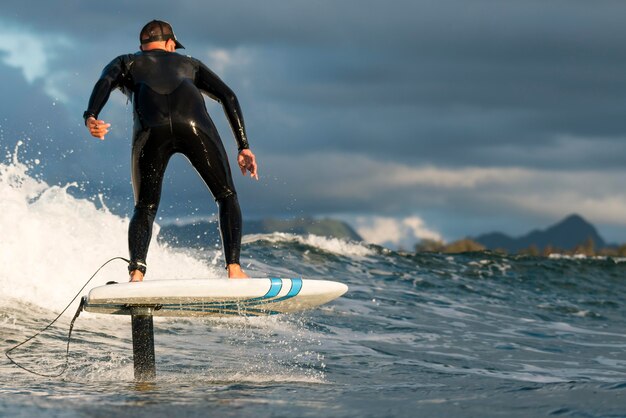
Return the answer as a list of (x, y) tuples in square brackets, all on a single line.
[(158, 30)]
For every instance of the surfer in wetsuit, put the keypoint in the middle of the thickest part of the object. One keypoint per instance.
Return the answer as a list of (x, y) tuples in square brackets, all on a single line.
[(170, 117)]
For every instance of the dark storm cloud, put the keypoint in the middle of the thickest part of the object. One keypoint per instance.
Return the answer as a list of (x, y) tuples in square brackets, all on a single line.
[(36, 120), (442, 82), (50, 135)]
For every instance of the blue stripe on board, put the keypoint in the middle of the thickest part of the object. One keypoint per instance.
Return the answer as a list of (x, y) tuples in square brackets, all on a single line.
[(275, 287), (296, 286)]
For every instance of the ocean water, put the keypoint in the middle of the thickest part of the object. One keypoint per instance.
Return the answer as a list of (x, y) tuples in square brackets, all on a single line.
[(473, 335)]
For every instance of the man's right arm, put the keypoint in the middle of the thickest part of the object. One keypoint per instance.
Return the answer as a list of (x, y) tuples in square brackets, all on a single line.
[(110, 79)]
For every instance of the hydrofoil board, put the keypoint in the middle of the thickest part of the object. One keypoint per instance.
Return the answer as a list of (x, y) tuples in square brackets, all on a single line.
[(214, 297)]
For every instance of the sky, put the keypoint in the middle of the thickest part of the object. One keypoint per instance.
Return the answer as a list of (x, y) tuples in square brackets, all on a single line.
[(409, 119)]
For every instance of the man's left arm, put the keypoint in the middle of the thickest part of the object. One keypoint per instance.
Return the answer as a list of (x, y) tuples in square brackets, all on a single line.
[(211, 84)]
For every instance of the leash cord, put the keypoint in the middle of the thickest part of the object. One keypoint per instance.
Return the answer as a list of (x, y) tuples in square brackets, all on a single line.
[(69, 335)]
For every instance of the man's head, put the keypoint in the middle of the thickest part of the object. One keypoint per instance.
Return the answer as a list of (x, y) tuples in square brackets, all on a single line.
[(158, 34)]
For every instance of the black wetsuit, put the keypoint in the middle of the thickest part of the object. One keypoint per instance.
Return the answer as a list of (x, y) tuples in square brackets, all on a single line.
[(170, 116)]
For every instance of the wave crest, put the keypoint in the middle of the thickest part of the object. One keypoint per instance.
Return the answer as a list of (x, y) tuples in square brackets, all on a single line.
[(331, 245), (53, 241)]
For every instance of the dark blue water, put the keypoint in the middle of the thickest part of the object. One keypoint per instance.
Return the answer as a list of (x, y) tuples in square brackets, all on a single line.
[(476, 335)]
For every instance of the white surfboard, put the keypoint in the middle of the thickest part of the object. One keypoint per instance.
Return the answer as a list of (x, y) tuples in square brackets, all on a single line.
[(214, 297)]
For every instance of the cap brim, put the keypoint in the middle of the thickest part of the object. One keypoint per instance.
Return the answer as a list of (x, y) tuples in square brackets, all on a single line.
[(178, 45)]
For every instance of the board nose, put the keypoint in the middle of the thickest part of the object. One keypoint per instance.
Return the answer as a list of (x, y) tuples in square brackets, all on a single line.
[(338, 289)]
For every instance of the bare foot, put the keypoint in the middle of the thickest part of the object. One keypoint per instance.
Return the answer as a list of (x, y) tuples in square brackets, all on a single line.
[(235, 272), (136, 276)]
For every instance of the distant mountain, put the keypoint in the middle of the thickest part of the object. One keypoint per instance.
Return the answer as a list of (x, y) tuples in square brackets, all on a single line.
[(567, 234), (207, 233), (302, 226)]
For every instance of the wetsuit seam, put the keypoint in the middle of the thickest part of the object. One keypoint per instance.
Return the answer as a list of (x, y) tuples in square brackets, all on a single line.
[(169, 113)]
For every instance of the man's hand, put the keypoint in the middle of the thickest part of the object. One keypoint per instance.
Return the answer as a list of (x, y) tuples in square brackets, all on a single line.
[(97, 128), (247, 162)]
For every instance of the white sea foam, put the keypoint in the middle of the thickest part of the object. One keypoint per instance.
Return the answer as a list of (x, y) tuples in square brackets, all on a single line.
[(52, 242), (558, 256), (331, 245)]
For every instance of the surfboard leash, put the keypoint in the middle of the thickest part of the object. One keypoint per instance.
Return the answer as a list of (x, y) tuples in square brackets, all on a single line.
[(69, 335)]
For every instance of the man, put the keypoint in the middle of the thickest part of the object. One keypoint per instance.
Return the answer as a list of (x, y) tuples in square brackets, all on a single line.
[(170, 116)]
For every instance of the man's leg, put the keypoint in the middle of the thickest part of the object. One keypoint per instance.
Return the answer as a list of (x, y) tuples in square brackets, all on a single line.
[(149, 160), (139, 235), (207, 155), (230, 229)]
